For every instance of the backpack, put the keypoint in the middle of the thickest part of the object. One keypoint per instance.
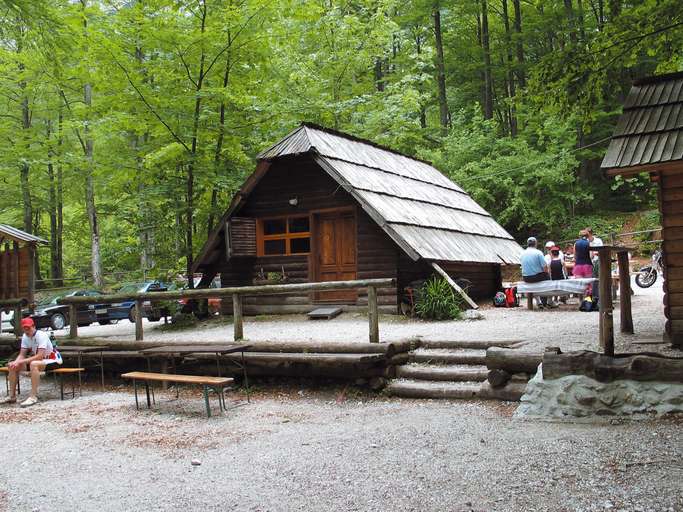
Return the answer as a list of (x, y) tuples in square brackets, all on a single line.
[(500, 300), (588, 304), (511, 300)]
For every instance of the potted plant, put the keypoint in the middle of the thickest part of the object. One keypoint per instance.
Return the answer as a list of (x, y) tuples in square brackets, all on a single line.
[(263, 278)]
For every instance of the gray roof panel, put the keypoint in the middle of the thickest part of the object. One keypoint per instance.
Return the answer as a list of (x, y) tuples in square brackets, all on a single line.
[(650, 130), (19, 235)]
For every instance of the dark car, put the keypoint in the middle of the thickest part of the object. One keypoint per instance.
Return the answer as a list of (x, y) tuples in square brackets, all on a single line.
[(126, 309), (48, 314)]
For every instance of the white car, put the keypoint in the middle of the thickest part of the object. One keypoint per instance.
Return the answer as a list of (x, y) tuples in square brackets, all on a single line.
[(6, 321)]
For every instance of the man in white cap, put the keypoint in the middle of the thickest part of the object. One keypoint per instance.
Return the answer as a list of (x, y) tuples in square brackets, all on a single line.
[(534, 267)]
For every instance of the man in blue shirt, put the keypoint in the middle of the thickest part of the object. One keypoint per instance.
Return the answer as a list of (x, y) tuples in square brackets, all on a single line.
[(534, 266)]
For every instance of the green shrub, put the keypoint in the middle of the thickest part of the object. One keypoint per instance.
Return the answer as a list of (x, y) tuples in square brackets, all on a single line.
[(437, 301)]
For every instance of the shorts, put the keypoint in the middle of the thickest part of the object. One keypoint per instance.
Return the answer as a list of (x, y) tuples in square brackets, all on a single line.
[(584, 270)]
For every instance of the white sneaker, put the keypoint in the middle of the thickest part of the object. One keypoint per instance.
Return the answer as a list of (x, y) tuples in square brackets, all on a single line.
[(32, 400)]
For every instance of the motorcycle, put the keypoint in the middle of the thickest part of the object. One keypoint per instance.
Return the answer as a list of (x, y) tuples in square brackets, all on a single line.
[(647, 275)]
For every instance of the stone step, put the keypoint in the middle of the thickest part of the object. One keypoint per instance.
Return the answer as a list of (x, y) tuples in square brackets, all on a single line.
[(475, 344), (458, 373), (448, 356), (407, 388)]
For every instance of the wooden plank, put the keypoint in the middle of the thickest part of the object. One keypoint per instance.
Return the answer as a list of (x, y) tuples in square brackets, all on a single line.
[(238, 328), (373, 315), (606, 311), (673, 246), (185, 379), (672, 194), (450, 281), (139, 335), (669, 221), (17, 321), (73, 321), (626, 315), (674, 299), (675, 233), (672, 208), (672, 180)]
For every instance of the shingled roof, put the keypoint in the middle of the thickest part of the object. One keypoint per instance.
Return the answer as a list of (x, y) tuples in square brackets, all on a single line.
[(424, 212), (8, 232), (650, 130)]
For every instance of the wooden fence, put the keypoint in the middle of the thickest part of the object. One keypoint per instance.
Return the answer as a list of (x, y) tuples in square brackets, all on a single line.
[(236, 293)]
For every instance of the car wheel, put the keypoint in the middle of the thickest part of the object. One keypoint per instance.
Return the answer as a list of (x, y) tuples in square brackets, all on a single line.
[(131, 315), (104, 322), (58, 321)]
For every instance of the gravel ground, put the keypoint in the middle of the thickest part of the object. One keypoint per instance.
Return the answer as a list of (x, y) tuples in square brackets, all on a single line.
[(329, 450), (565, 327)]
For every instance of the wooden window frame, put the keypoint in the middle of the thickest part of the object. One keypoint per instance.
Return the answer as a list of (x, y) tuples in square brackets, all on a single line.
[(287, 236)]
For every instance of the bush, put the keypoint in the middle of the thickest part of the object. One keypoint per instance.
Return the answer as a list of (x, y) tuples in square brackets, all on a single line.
[(438, 301)]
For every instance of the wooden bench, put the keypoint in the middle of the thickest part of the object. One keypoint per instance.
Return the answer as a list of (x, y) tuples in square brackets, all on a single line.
[(57, 372), (216, 383)]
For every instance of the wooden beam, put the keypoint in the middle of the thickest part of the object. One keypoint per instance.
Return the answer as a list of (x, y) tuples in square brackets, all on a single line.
[(17, 320), (73, 321), (237, 317), (625, 294), (453, 284), (373, 316), (139, 335), (605, 301)]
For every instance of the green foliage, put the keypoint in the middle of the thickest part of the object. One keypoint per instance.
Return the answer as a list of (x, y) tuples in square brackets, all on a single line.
[(368, 67), (437, 301), (602, 223)]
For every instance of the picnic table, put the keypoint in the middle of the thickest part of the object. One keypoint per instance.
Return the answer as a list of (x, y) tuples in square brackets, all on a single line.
[(552, 288), (172, 352), (79, 351)]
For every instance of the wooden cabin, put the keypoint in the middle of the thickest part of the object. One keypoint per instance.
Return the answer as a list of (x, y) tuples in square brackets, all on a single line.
[(17, 263), (325, 206), (649, 138)]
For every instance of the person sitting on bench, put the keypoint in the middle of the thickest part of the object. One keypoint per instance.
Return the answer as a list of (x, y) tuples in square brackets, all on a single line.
[(534, 267), (42, 354)]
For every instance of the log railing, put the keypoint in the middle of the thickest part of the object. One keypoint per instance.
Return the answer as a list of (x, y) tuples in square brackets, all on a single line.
[(14, 305), (237, 293)]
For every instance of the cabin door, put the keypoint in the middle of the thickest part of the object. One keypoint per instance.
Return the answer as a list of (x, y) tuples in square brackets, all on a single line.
[(336, 253)]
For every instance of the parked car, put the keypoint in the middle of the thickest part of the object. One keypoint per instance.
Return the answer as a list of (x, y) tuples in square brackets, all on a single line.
[(6, 321), (48, 314), (214, 302), (126, 309)]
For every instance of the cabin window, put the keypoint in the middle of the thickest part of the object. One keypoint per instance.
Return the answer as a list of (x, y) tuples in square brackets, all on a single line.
[(284, 236)]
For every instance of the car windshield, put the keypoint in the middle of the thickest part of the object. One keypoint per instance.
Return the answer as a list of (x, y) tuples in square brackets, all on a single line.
[(52, 299), (131, 288)]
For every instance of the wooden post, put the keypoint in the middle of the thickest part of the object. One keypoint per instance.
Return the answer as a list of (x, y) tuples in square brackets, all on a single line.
[(138, 321), (625, 293), (453, 284), (17, 321), (31, 250), (73, 321), (606, 318), (530, 301), (237, 316), (373, 316)]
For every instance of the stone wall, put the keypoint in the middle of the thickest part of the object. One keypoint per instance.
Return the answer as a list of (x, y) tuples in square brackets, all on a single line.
[(581, 396)]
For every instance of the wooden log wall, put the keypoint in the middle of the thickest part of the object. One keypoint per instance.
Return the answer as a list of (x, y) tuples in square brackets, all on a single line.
[(315, 190), (485, 277), (14, 271), (671, 208)]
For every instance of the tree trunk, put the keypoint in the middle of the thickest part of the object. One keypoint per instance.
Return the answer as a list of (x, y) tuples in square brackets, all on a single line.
[(569, 12), (52, 206), (219, 141), (423, 109), (189, 250), (519, 44), (96, 262), (379, 75), (26, 126), (59, 234), (488, 79), (510, 75), (441, 70)]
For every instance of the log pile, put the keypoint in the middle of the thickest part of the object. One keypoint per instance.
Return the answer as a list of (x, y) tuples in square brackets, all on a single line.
[(509, 371), (638, 367)]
